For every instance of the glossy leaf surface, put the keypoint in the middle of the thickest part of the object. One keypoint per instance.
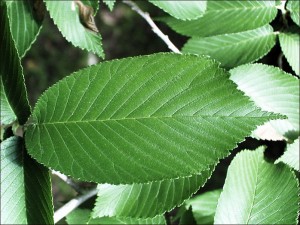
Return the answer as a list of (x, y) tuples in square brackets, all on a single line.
[(11, 71), (234, 49), (114, 122), (65, 15), (223, 17), (146, 200), (24, 24), (257, 192), (183, 10), (290, 45), (271, 89), (291, 155)]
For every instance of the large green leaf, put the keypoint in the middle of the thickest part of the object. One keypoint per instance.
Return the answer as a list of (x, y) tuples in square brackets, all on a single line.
[(234, 49), (294, 7), (65, 15), (257, 192), (24, 24), (290, 45), (141, 119), (146, 200), (291, 155), (25, 187), (223, 17), (183, 10), (83, 216), (11, 71), (204, 206), (271, 89), (7, 114)]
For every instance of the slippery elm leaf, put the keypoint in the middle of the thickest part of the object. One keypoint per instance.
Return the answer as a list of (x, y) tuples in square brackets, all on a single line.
[(146, 200), (110, 4), (291, 155), (7, 114), (65, 15), (11, 71), (183, 10), (294, 7), (234, 49), (257, 192), (223, 17), (141, 119)]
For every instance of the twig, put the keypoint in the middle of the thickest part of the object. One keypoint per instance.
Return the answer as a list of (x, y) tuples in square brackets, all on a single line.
[(73, 204), (155, 29), (68, 181)]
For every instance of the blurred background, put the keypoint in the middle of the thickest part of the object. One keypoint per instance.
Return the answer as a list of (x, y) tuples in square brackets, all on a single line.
[(124, 34)]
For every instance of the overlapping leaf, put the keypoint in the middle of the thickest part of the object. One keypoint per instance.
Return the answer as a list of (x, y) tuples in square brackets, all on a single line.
[(183, 10), (234, 49), (223, 17), (294, 7), (146, 200), (65, 15), (204, 206), (83, 216), (110, 3), (24, 24), (7, 114), (290, 45), (291, 155), (92, 3), (11, 71), (271, 89), (25, 187), (257, 192), (141, 119)]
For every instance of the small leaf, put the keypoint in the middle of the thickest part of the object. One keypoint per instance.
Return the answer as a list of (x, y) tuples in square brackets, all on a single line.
[(110, 4), (25, 187), (234, 49), (7, 114), (24, 25), (271, 89), (291, 155), (204, 206), (223, 17), (294, 8), (289, 42), (114, 122), (146, 200), (183, 10), (65, 15), (257, 192), (83, 216), (11, 71)]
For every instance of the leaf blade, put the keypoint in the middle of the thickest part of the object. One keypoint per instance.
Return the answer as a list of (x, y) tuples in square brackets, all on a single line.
[(293, 7), (7, 114), (291, 155), (243, 47), (120, 114), (251, 192)]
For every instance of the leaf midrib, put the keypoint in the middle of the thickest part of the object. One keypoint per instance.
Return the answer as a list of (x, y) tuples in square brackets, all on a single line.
[(158, 118)]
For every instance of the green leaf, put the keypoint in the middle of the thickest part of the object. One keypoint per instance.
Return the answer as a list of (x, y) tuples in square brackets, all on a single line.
[(257, 192), (183, 10), (23, 24), (204, 206), (92, 3), (223, 17), (294, 8), (83, 216), (234, 49), (65, 15), (291, 155), (187, 217), (271, 89), (110, 4), (25, 187), (146, 200), (290, 46), (141, 119), (7, 114), (11, 71)]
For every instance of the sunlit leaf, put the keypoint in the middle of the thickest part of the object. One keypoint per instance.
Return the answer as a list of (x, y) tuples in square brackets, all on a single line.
[(291, 155)]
